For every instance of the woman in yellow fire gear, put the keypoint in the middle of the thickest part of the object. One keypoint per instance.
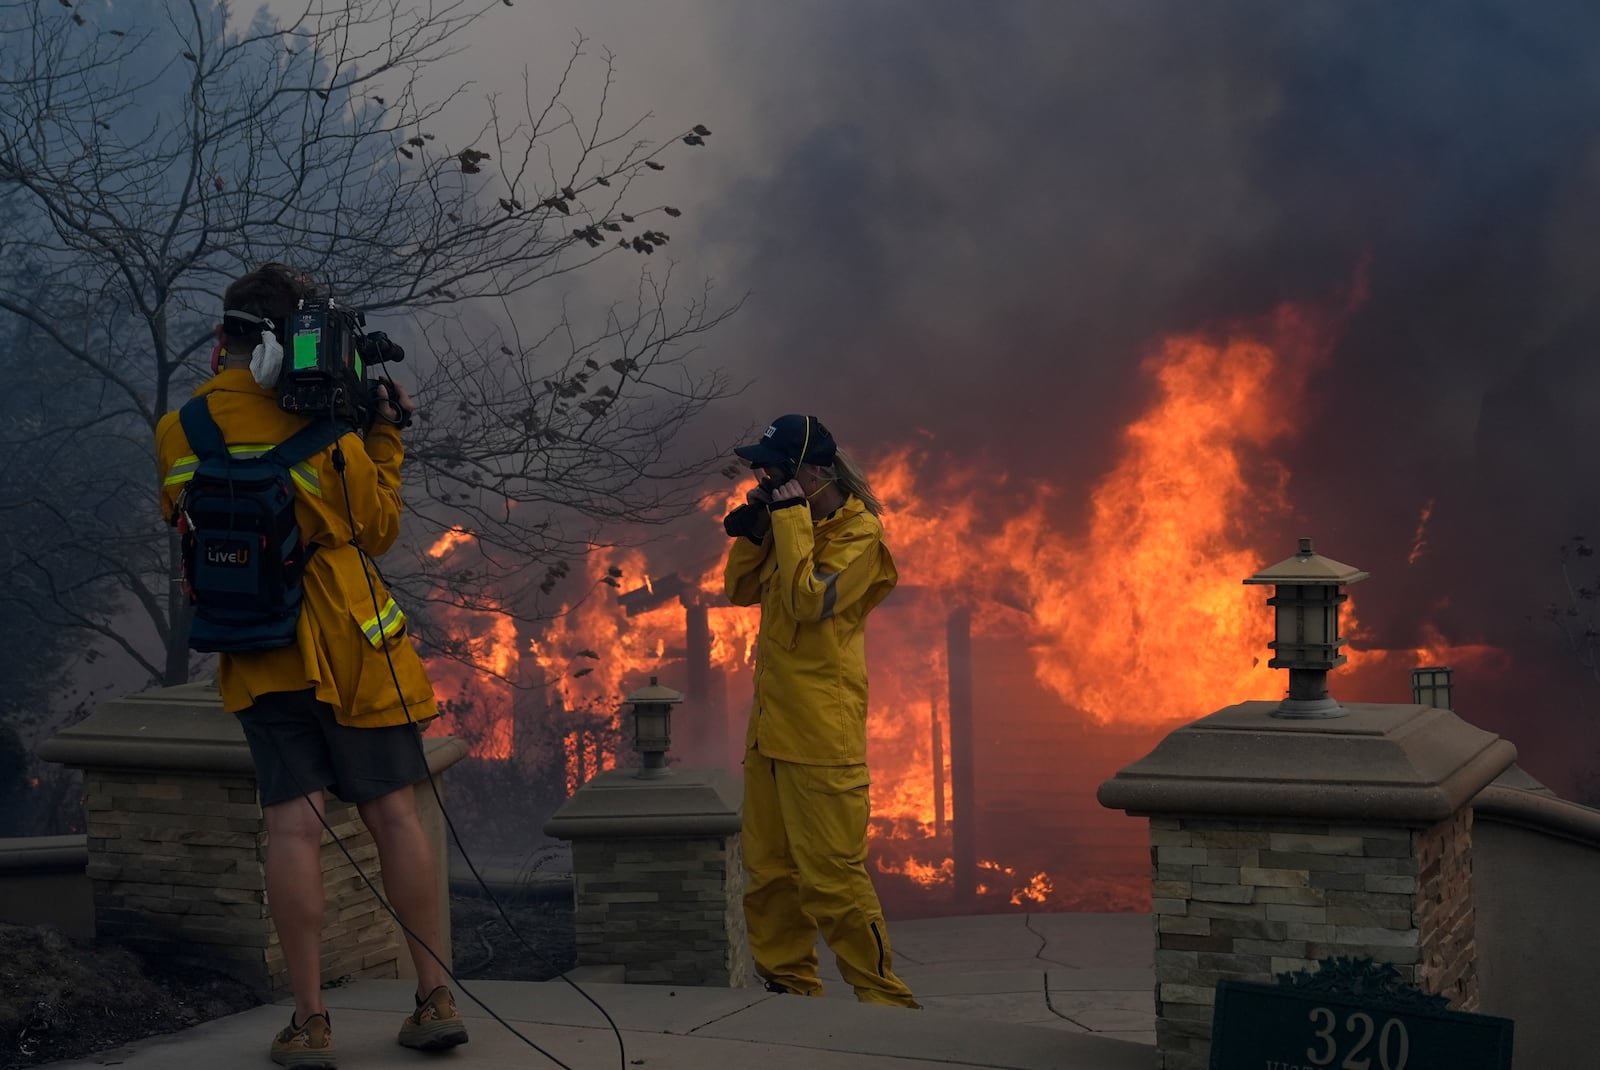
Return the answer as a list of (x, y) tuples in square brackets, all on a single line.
[(810, 550)]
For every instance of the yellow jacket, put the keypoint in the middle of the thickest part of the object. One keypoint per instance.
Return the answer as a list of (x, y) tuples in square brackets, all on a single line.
[(816, 584), (344, 631)]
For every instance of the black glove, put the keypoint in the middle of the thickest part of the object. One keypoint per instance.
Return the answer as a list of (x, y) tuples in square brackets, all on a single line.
[(379, 393), (749, 521)]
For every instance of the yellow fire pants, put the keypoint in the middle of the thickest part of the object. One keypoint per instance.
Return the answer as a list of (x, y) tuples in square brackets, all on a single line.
[(805, 861)]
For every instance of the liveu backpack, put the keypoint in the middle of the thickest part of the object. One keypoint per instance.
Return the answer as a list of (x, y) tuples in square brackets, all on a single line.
[(242, 555)]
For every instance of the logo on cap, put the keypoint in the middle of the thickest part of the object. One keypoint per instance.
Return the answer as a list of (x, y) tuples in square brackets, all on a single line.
[(772, 429)]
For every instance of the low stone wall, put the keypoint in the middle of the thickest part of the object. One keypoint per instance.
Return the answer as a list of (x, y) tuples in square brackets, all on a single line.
[(176, 844), (1277, 843), (43, 882), (177, 863), (658, 877), (1537, 879), (671, 910), (1248, 900)]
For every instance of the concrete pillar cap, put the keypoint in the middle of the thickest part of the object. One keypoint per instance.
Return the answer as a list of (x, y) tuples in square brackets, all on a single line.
[(619, 805), (1395, 764), (182, 728)]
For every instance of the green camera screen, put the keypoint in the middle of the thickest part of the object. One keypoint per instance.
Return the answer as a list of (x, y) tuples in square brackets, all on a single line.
[(305, 349)]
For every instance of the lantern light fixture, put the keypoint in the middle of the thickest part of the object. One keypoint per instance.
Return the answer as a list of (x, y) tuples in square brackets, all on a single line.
[(1432, 686), (652, 727), (1306, 603)]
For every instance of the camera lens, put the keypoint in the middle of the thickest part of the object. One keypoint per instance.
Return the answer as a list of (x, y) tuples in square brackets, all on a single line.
[(376, 347)]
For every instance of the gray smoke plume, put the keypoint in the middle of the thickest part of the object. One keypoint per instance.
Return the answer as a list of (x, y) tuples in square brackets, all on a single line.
[(969, 222)]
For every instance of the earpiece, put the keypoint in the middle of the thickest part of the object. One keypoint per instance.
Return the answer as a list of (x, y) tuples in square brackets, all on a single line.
[(805, 445)]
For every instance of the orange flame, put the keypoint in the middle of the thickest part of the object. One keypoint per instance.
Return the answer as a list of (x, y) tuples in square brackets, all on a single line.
[(1144, 619), (1147, 620), (921, 872), (1437, 650), (1037, 890), (456, 536), (1139, 620), (481, 673)]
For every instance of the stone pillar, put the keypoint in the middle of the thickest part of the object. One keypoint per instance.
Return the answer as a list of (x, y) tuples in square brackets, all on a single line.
[(177, 844), (1275, 843), (658, 881)]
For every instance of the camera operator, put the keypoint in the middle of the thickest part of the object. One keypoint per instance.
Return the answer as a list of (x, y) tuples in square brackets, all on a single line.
[(338, 709), (808, 547)]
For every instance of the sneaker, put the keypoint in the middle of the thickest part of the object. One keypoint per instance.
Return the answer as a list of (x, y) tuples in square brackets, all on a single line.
[(435, 1025), (773, 986), (306, 1045)]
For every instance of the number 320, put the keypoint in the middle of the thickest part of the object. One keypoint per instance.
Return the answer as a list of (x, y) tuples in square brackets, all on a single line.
[(1394, 1044)]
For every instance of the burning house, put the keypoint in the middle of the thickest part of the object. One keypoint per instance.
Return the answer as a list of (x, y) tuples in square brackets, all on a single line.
[(1019, 664)]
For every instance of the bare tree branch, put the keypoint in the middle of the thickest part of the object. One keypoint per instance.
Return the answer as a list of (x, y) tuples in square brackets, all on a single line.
[(142, 169)]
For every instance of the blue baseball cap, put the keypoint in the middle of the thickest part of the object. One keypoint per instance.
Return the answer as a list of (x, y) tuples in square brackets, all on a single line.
[(791, 440)]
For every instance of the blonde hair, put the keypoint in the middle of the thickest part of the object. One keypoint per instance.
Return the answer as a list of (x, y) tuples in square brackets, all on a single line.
[(852, 480)]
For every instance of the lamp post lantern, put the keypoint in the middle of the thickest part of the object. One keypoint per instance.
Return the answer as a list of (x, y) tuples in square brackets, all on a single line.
[(652, 727), (1306, 605), (1431, 686)]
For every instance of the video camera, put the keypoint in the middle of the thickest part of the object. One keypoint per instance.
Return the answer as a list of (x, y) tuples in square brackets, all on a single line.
[(786, 472), (750, 519), (325, 370)]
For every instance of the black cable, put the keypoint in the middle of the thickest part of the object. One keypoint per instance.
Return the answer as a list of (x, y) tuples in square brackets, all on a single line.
[(366, 560), (395, 915)]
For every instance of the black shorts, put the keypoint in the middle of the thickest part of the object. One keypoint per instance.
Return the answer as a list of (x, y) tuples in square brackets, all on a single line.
[(299, 748)]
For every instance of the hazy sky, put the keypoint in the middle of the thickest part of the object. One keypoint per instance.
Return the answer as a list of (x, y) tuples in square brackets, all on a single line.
[(1008, 204)]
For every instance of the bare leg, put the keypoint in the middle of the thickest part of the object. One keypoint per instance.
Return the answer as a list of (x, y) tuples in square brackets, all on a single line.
[(295, 895), (410, 878)]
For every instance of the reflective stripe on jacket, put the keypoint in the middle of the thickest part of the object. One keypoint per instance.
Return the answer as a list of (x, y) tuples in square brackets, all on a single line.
[(304, 474), (345, 637), (815, 583)]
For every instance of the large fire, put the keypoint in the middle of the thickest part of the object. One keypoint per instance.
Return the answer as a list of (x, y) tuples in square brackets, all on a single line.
[(1133, 623)]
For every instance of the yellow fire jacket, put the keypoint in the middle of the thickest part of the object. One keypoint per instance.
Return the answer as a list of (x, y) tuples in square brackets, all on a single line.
[(342, 637), (816, 583)]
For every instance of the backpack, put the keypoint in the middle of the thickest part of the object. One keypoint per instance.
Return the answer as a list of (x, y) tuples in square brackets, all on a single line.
[(241, 550)]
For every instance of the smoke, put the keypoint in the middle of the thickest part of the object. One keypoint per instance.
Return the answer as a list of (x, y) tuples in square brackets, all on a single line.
[(968, 223)]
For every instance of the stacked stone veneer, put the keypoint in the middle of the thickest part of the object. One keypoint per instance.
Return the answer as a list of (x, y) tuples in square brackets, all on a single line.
[(177, 866), (670, 911), (1248, 899), (658, 876)]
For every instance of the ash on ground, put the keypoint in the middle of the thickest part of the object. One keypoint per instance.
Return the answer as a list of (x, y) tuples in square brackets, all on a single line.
[(68, 999), (485, 947), (64, 999)]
